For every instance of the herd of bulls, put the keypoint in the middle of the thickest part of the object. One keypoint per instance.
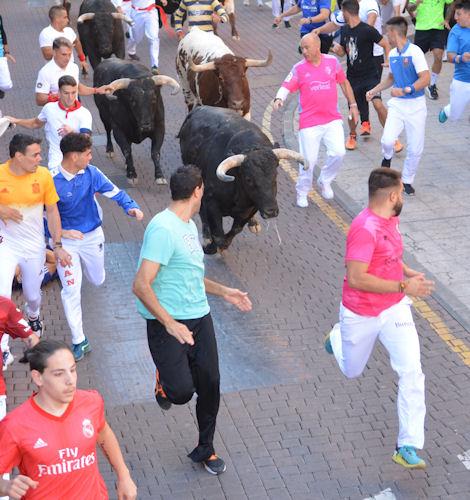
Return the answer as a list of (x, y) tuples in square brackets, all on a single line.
[(216, 136)]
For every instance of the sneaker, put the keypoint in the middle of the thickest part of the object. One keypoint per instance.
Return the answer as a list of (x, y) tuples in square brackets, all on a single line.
[(214, 465), (134, 57), (2, 94), (302, 201), (431, 91), (36, 326), (327, 344), (287, 24), (351, 143), (155, 70), (79, 350), (409, 189), (274, 26), (442, 116), (7, 358), (365, 128), (398, 146), (386, 163), (160, 395), (406, 456), (326, 190)]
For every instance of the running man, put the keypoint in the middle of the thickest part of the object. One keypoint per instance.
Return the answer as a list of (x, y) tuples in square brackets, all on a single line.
[(315, 78), (458, 52), (77, 183), (59, 118), (357, 42), (409, 76), (375, 305), (5, 56), (52, 436), (171, 291), (430, 35), (199, 14), (26, 189)]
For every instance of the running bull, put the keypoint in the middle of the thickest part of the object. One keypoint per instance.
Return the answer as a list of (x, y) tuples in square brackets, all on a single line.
[(211, 74), (134, 111), (219, 140), (100, 30)]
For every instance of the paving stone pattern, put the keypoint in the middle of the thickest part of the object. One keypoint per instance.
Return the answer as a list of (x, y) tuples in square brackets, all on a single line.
[(290, 425)]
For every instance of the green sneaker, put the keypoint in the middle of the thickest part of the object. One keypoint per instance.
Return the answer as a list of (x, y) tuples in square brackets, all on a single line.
[(327, 344), (79, 350), (407, 457)]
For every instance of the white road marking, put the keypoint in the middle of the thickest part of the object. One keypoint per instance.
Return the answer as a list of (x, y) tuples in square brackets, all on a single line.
[(383, 495), (465, 459)]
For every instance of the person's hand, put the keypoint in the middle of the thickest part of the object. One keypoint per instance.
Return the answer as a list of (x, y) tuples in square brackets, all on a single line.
[(104, 89), (31, 341), (419, 286), (135, 212), (238, 298), (446, 25), (304, 20), (370, 94), (397, 92), (8, 213), (83, 66), (277, 20), (277, 104), (336, 48), (72, 234), (63, 257), (10, 58), (411, 273), (12, 119), (125, 487), (64, 130), (466, 57), (181, 332), (18, 487), (180, 35), (354, 114)]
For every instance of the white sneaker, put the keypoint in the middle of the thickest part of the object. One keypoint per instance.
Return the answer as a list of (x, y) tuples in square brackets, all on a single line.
[(8, 359), (326, 190), (302, 201)]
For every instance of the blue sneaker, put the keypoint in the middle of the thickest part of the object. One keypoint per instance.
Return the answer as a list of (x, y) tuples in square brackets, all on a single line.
[(407, 457), (327, 344), (442, 116), (79, 350)]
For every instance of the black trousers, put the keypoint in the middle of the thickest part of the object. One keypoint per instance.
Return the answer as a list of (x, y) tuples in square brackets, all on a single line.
[(360, 88), (185, 370)]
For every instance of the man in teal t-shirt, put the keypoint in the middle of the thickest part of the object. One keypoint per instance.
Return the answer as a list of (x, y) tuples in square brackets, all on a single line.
[(171, 291), (430, 35)]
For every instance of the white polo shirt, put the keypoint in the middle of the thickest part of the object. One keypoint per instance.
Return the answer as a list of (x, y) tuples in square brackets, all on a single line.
[(142, 4), (54, 117), (49, 34), (49, 74)]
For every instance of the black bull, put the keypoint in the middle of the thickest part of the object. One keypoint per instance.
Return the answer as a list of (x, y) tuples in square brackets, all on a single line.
[(217, 140), (135, 111)]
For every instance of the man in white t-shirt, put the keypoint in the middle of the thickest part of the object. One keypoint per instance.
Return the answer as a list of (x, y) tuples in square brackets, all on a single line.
[(59, 119), (48, 77), (59, 27)]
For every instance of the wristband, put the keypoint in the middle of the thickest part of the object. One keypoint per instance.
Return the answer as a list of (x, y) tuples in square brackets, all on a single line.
[(457, 59), (353, 105), (57, 244), (82, 57), (413, 90)]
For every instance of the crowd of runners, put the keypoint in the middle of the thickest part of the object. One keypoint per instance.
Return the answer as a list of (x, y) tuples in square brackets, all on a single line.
[(51, 226)]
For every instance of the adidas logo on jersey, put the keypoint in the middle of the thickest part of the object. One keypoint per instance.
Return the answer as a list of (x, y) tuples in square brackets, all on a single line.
[(39, 444)]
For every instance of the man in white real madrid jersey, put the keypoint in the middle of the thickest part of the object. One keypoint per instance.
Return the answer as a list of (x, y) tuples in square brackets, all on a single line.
[(59, 119)]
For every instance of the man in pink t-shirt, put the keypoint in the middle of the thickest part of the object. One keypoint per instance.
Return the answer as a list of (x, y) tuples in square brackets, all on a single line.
[(315, 78), (375, 305)]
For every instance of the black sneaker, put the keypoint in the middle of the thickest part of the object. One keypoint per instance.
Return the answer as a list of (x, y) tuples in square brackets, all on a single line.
[(432, 92), (160, 395), (409, 189), (386, 163), (287, 24), (2, 94), (214, 465), (274, 26), (134, 57), (155, 70), (36, 326)]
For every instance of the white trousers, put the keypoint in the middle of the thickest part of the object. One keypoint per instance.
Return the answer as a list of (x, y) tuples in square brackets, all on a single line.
[(353, 339), (32, 273), (88, 256), (408, 114), (276, 8), (5, 78), (310, 138), (146, 22), (459, 99)]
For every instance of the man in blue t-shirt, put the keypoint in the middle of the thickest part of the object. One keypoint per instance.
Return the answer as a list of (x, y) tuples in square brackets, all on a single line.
[(171, 291), (314, 14), (458, 52)]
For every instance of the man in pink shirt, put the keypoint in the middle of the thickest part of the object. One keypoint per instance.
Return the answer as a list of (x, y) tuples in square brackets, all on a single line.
[(375, 305), (316, 78)]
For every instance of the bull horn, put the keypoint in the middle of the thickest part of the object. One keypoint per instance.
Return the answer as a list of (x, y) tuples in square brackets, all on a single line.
[(226, 165), (289, 154), (166, 80), (199, 68), (259, 63), (86, 17), (123, 17), (120, 83)]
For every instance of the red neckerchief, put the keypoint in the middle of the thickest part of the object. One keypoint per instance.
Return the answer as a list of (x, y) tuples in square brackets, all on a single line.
[(164, 19), (77, 104)]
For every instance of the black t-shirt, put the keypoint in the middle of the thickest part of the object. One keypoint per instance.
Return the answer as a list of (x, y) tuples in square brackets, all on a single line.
[(358, 42)]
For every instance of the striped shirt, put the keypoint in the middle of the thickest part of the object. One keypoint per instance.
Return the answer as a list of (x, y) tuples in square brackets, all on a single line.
[(199, 13)]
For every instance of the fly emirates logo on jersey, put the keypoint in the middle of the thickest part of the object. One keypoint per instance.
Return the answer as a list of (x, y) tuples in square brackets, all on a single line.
[(70, 459)]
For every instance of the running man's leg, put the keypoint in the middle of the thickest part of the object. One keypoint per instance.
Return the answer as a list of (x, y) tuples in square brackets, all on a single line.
[(459, 99), (333, 139), (92, 255), (400, 338), (309, 146), (415, 126), (204, 362), (393, 127), (32, 273), (151, 32), (136, 32)]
